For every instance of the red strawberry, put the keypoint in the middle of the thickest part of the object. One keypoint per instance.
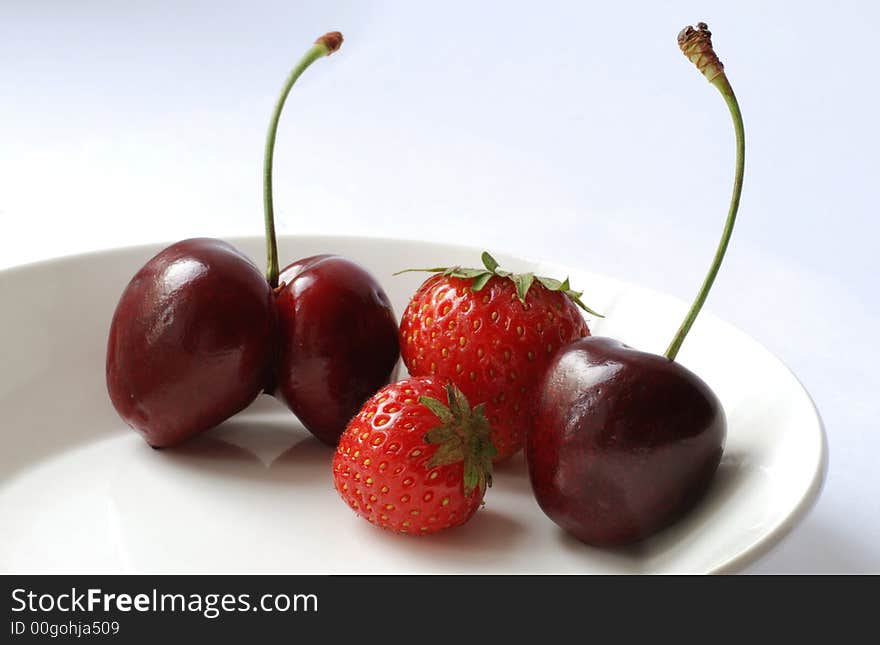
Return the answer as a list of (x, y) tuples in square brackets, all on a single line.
[(493, 333), (412, 464)]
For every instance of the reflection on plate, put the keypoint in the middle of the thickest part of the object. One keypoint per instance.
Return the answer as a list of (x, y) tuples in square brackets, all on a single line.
[(79, 492)]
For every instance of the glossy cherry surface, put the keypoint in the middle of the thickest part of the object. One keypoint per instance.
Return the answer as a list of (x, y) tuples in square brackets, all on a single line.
[(624, 441), (338, 341), (191, 341)]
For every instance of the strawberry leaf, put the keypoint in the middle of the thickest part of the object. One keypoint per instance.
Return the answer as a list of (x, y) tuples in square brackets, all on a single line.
[(439, 410), (575, 297), (466, 273), (522, 281), (440, 434), (471, 477), (486, 465), (565, 287), (463, 435), (551, 283), (480, 281), (447, 453), (458, 403), (432, 270)]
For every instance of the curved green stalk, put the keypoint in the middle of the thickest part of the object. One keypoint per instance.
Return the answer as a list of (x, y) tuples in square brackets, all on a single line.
[(698, 48), (324, 46)]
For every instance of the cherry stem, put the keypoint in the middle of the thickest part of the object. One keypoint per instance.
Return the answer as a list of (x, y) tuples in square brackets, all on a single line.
[(324, 46), (723, 86)]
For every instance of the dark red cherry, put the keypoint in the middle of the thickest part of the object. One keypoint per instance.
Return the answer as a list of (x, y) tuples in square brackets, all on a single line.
[(191, 341), (624, 441), (338, 341)]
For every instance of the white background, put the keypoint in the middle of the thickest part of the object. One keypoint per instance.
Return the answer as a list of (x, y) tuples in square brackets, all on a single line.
[(575, 132)]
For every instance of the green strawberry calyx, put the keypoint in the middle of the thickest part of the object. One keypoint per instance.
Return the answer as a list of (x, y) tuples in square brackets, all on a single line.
[(523, 281), (464, 435)]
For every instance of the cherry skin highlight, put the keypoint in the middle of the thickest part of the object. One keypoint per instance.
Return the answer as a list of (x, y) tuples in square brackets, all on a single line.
[(624, 442), (337, 341), (191, 341)]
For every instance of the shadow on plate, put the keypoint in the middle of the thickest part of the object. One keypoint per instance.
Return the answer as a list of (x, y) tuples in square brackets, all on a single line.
[(270, 448), (488, 538)]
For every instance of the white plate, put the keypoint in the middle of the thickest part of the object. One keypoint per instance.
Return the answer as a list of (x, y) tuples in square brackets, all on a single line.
[(79, 492)]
